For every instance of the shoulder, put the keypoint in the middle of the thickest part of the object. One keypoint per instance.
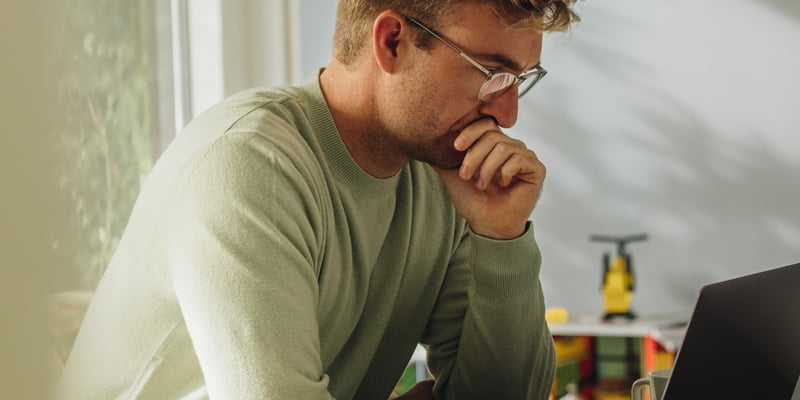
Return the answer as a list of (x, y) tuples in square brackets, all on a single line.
[(271, 113), (252, 147), (251, 132)]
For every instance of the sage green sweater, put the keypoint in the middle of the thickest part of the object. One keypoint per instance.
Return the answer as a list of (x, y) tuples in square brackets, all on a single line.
[(260, 262)]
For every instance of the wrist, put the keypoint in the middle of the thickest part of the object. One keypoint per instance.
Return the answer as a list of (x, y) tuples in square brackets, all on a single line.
[(508, 233)]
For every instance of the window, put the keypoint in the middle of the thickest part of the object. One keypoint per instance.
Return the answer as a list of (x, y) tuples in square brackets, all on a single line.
[(131, 75), (128, 76), (113, 121)]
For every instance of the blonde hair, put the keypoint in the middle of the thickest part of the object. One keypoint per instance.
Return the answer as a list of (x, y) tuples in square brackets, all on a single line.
[(354, 18)]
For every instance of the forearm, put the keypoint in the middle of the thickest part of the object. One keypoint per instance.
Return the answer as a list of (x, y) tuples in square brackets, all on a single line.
[(505, 352), (505, 349)]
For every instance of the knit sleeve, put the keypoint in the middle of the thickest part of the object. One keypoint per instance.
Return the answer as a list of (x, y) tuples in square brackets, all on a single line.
[(487, 337), (243, 266)]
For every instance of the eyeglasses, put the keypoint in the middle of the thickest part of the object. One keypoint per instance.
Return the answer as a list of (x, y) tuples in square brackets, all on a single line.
[(497, 83)]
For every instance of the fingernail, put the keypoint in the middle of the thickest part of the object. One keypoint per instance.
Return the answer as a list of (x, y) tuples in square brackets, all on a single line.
[(458, 143)]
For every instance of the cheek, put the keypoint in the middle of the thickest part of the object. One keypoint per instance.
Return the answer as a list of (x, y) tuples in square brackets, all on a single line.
[(455, 105), (439, 106)]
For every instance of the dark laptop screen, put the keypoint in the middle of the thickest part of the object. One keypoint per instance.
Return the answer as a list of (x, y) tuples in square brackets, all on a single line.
[(743, 340)]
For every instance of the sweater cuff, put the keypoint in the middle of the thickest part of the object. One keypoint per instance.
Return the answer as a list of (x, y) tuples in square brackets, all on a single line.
[(504, 269)]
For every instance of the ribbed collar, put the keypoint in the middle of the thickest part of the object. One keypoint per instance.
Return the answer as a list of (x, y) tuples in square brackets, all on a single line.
[(342, 164)]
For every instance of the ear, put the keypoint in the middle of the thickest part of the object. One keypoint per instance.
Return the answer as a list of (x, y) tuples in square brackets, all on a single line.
[(390, 35)]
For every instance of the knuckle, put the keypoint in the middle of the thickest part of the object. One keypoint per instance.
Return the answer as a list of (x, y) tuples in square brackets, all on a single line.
[(504, 146)]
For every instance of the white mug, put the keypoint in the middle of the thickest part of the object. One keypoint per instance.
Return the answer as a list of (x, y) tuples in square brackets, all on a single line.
[(657, 380)]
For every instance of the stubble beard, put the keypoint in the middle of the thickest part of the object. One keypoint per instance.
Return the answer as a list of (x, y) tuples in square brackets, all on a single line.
[(439, 152), (418, 143), (423, 142), (419, 132)]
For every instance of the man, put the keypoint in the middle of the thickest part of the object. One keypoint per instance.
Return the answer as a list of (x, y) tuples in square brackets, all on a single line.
[(298, 243)]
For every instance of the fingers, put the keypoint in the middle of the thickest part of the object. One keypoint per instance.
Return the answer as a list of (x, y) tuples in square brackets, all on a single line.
[(473, 132), (494, 157)]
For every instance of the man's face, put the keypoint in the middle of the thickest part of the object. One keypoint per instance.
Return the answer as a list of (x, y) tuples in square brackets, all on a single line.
[(438, 98)]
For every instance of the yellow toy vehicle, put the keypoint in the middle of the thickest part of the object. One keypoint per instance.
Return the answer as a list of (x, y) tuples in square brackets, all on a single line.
[(618, 278)]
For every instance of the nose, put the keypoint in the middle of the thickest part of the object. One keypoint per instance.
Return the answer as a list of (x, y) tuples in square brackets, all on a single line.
[(503, 109)]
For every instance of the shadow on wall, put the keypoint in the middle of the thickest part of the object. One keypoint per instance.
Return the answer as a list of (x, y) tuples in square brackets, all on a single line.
[(787, 7), (715, 208)]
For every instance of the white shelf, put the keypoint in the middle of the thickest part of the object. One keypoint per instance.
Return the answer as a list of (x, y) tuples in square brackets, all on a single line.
[(668, 330)]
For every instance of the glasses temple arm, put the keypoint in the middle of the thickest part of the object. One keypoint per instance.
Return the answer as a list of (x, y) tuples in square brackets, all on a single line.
[(450, 45)]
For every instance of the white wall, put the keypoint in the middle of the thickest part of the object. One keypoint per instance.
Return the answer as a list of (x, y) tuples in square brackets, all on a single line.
[(317, 20), (676, 118), (679, 119)]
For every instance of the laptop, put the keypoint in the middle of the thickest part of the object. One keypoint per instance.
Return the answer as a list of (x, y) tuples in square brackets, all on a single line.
[(742, 341)]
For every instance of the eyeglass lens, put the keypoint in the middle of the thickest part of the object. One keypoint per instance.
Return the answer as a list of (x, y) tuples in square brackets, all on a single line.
[(495, 86)]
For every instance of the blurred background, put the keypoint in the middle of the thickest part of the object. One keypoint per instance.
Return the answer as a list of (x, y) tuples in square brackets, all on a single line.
[(676, 119)]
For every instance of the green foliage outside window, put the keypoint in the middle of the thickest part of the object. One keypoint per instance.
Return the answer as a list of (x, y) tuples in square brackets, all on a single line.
[(108, 132)]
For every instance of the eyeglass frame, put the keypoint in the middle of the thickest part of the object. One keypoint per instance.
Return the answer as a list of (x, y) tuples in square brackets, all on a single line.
[(536, 73)]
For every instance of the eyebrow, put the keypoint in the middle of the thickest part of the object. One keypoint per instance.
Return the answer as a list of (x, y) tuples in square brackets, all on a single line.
[(500, 59)]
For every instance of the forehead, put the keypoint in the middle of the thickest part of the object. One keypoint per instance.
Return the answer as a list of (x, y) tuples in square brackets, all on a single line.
[(483, 33)]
